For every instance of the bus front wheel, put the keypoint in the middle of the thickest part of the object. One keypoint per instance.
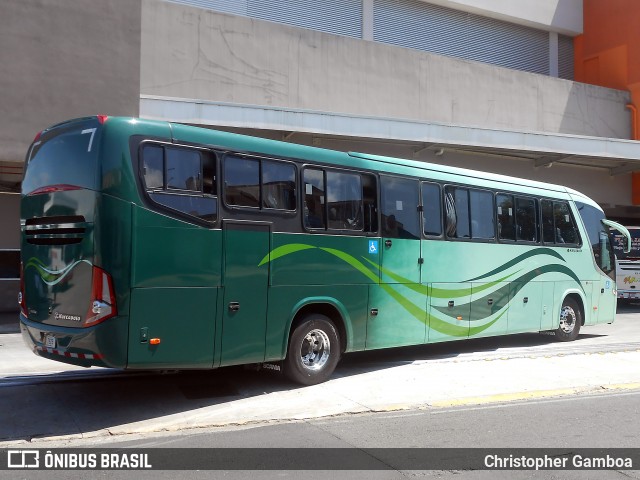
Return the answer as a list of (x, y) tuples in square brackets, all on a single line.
[(570, 321), (314, 351)]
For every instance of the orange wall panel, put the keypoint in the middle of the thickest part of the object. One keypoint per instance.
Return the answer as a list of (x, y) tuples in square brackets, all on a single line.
[(612, 35)]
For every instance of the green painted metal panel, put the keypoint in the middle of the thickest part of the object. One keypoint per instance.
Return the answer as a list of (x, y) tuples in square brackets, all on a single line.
[(402, 259), (487, 304), (171, 253), (245, 287), (450, 312), (348, 301), (525, 307), (549, 321), (323, 260), (401, 316), (113, 243), (184, 321)]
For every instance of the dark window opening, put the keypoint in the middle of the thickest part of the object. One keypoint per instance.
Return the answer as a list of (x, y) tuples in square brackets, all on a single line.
[(431, 209), (517, 218), (242, 181), (400, 200), (506, 217), (526, 220), (344, 201), (314, 196), (337, 200), (470, 213), (259, 183), (10, 264), (558, 225), (278, 185), (181, 179)]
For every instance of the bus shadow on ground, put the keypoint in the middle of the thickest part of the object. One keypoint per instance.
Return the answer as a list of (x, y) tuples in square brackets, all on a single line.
[(75, 404), (505, 345), (628, 306)]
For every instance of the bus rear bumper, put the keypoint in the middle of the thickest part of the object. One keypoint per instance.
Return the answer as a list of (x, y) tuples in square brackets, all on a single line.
[(628, 294), (76, 346)]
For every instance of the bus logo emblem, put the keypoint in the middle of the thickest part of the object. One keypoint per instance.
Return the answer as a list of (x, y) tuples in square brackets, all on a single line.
[(373, 247)]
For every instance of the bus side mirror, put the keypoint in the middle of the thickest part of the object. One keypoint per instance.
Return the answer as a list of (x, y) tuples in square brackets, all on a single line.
[(622, 230)]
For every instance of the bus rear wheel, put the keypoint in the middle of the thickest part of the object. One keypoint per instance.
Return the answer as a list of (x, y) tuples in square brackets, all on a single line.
[(314, 351), (570, 321)]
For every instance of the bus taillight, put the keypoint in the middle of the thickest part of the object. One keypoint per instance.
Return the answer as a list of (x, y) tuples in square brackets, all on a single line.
[(102, 304), (53, 189)]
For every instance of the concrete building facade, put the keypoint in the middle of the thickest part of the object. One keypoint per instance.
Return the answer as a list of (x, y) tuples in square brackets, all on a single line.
[(445, 81)]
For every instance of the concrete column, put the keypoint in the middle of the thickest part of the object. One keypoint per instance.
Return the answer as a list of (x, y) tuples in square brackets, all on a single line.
[(553, 54), (367, 19)]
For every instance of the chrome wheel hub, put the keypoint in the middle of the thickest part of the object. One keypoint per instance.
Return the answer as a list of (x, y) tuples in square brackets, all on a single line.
[(568, 319), (315, 350)]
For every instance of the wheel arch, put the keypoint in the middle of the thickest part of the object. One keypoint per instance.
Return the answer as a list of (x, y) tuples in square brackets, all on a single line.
[(579, 298), (327, 306)]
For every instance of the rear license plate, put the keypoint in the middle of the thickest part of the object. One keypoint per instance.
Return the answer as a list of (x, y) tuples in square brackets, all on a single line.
[(50, 341)]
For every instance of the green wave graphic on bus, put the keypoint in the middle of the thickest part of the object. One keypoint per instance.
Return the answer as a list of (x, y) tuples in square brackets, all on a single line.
[(443, 325), (52, 277)]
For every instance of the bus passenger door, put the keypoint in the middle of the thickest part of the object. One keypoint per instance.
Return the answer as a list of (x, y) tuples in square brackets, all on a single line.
[(244, 309), (604, 301), (399, 303), (400, 247)]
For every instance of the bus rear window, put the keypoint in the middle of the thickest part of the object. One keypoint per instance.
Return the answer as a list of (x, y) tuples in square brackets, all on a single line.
[(66, 155)]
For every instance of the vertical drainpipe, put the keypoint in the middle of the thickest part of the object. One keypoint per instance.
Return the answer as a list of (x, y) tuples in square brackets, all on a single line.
[(635, 176), (634, 121)]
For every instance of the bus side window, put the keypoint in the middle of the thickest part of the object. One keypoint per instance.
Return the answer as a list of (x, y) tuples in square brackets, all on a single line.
[(431, 209), (184, 169), (458, 218), (314, 195), (241, 181), (181, 179), (153, 166), (344, 201), (526, 220), (566, 231), (506, 217), (481, 212), (278, 185), (452, 217), (558, 225), (370, 203), (400, 200), (340, 200)]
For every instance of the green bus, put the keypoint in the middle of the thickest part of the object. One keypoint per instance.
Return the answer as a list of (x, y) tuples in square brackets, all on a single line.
[(156, 245)]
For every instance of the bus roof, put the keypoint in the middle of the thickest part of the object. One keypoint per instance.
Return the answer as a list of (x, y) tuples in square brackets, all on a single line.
[(250, 144)]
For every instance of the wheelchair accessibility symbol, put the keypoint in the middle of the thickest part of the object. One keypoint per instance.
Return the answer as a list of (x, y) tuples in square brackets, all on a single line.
[(373, 247)]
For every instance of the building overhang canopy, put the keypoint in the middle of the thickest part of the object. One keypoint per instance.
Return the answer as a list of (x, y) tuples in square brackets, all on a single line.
[(618, 156)]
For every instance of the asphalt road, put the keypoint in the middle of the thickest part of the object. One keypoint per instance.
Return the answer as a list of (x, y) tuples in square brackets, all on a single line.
[(381, 441)]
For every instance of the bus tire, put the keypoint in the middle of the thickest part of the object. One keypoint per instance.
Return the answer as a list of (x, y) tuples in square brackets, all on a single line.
[(314, 351), (570, 321)]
